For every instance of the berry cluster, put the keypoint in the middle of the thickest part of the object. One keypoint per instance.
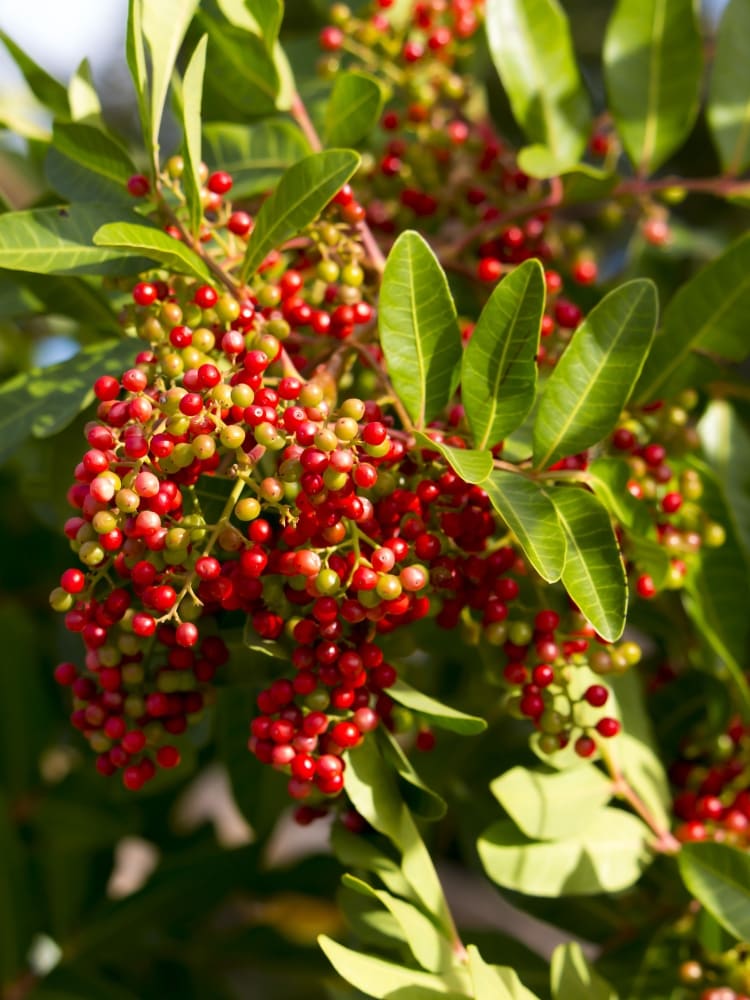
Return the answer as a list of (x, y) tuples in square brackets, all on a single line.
[(712, 787), (332, 527)]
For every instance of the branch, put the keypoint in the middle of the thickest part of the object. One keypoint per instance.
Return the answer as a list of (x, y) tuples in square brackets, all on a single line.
[(665, 842)]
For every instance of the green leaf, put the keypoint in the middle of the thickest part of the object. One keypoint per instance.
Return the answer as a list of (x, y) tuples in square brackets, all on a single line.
[(531, 516), (494, 982), (136, 57), (726, 443), (471, 465), (164, 26), (370, 784), (44, 400), (354, 852), (94, 149), (532, 49), (82, 96), (377, 978), (498, 370), (708, 313), (719, 877), (59, 240), (302, 193), (439, 715), (243, 77), (147, 241), (353, 108), (584, 396), (586, 184), (192, 97), (718, 585), (572, 977), (255, 155), (652, 69), (44, 87), (554, 805), (608, 856), (594, 574), (430, 947), (728, 108), (75, 183), (609, 478), (418, 797), (259, 17), (418, 328)]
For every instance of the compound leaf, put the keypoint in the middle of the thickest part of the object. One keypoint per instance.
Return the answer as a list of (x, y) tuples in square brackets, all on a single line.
[(608, 856)]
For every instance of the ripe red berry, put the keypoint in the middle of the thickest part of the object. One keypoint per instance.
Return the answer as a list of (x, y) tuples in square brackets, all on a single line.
[(331, 38), (138, 185), (205, 297), (489, 269), (596, 695), (73, 581), (671, 503), (239, 223), (584, 746), (145, 293), (219, 182), (645, 586), (168, 756)]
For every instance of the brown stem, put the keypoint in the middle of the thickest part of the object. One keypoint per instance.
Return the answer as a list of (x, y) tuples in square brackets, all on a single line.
[(637, 187), (197, 247), (300, 115), (665, 842)]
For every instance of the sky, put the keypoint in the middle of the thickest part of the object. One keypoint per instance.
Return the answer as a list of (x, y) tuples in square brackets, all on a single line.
[(58, 34)]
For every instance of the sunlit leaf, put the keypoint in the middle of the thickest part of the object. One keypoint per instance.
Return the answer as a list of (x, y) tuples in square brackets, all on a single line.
[(498, 372), (652, 68)]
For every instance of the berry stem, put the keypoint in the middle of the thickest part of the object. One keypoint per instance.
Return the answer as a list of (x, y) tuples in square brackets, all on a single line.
[(665, 842), (187, 588)]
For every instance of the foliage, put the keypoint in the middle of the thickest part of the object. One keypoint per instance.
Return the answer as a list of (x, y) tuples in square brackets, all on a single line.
[(400, 442)]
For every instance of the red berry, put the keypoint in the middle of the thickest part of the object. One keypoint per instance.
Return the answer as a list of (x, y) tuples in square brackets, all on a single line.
[(490, 269), (168, 756), (239, 223), (138, 185), (596, 695), (671, 503), (608, 727), (331, 38), (73, 581), (219, 182), (145, 293), (205, 297), (584, 746), (645, 586)]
